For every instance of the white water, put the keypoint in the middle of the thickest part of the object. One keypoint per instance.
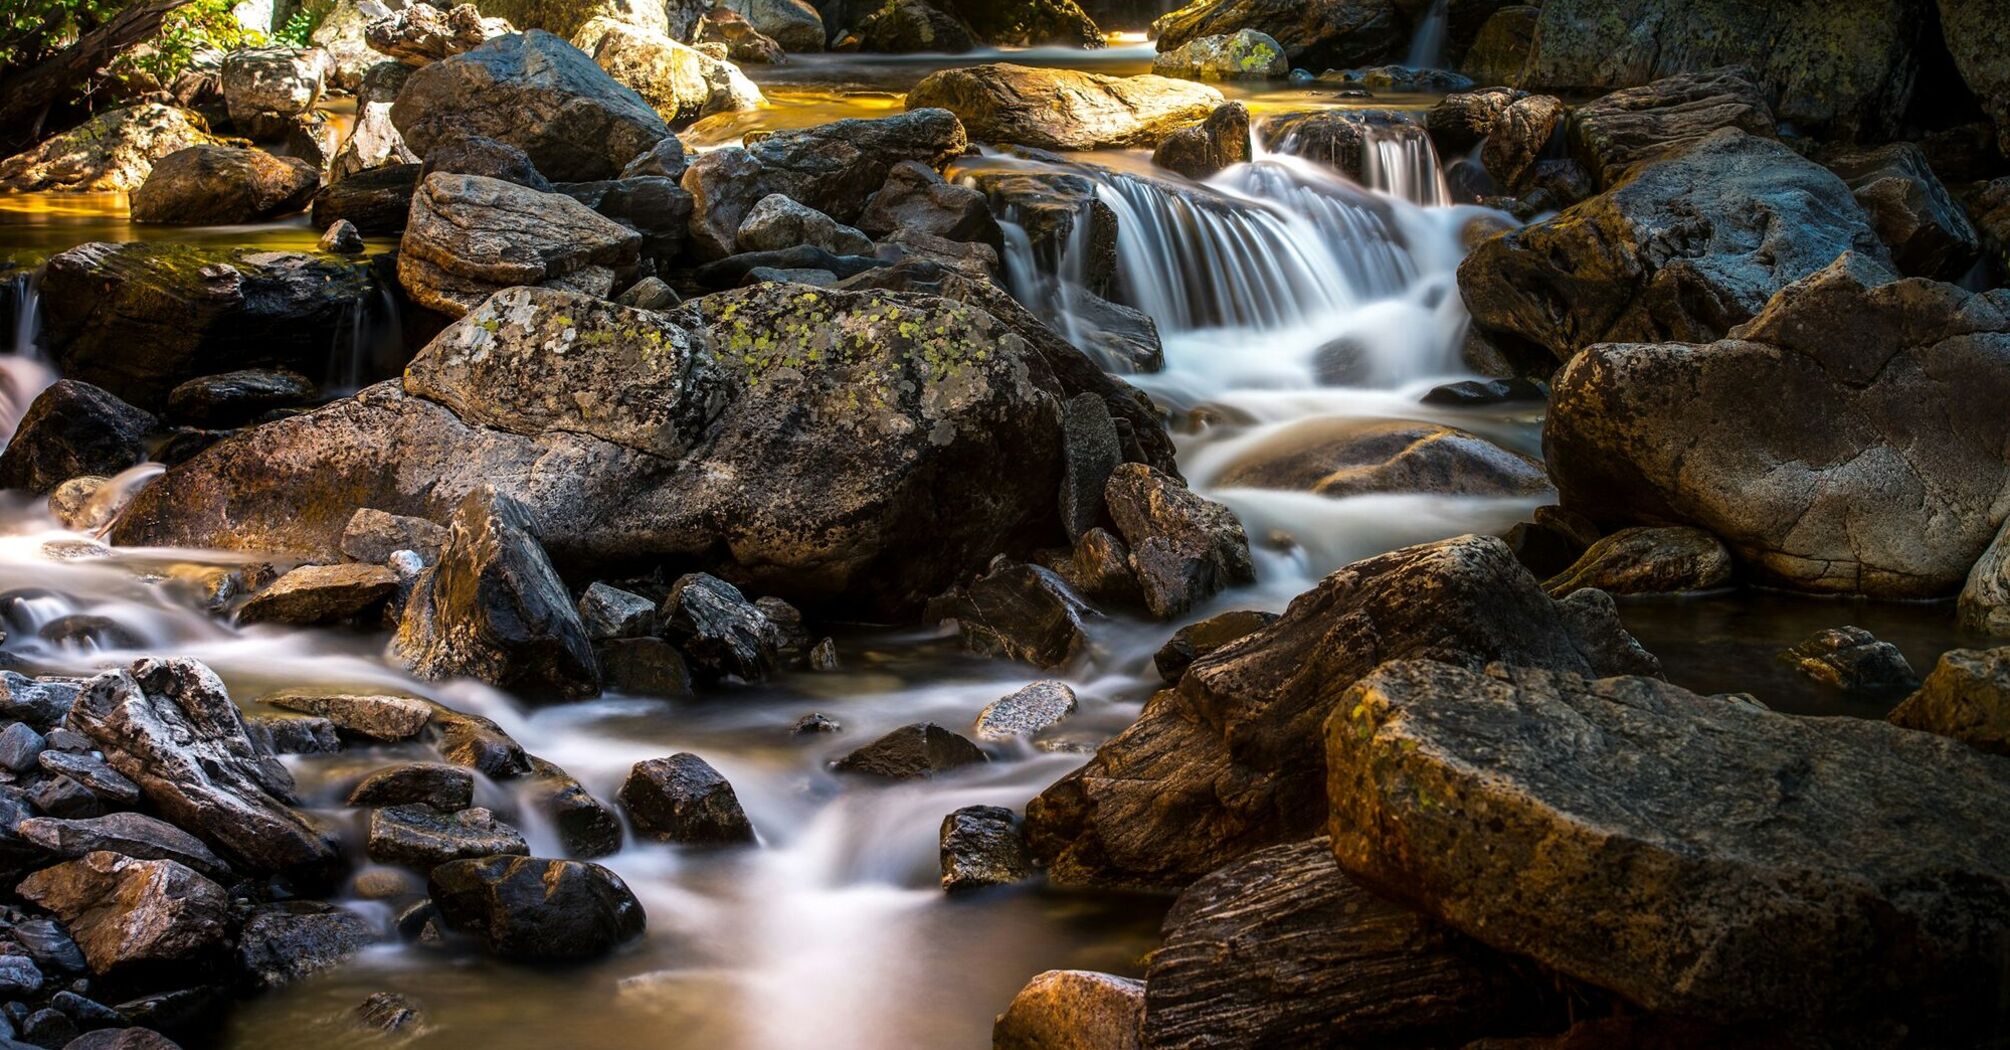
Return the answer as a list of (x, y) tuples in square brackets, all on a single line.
[(1427, 47)]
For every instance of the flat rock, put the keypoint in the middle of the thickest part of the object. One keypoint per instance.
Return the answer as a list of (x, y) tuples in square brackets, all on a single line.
[(380, 717), (1010, 104), (424, 838), (321, 594), (93, 773), (1026, 711), (1617, 133), (682, 799), (912, 752), (234, 398), (530, 909), (1353, 459), (372, 536), (287, 941)]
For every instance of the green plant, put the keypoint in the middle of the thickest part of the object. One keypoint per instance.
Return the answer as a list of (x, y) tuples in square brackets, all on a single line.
[(31, 30), (202, 26), (299, 29)]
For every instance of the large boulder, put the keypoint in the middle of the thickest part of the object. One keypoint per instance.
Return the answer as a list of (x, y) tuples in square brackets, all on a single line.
[(1228, 761), (794, 24), (538, 93), (223, 185), (1928, 233), (262, 83), (1242, 55), (1705, 858), (1317, 34), (680, 81), (535, 910), (1873, 465), (470, 236), (1973, 31), (143, 919), (1616, 133), (110, 153), (423, 34), (70, 430), (1003, 104), (1753, 216), (903, 26), (139, 319)]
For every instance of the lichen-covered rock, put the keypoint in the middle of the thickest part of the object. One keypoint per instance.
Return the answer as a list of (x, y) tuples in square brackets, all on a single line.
[(136, 917), (1316, 34), (1966, 697), (72, 429), (1072, 1010), (471, 236), (683, 799), (536, 910), (222, 186), (1026, 711), (1649, 560), (1003, 103), (1242, 55), (111, 153)]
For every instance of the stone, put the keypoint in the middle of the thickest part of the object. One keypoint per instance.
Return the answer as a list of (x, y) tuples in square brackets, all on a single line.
[(1928, 233), (1196, 640), (20, 747), (682, 799), (650, 293), (495, 609), (423, 838), (1501, 46), (907, 26), (41, 703), (534, 910), (377, 201), (721, 633), (1852, 660), (1200, 151), (1477, 393), (19, 976), (92, 772), (1093, 450), (1242, 55), (586, 826), (1029, 23), (743, 42), (1772, 863), (389, 1012), (283, 733), (1615, 135), (288, 941), (1226, 763), (776, 222), (372, 536), (470, 236), (264, 82), (610, 612), (476, 743), (110, 153), (794, 24), (648, 667), (981, 847), (1649, 560), (1324, 34), (1072, 1010), (373, 143), (816, 723), (682, 83), (377, 717), (916, 199), (484, 156), (1002, 103), (1463, 119), (1184, 548), (421, 34), (1966, 697), (1282, 948), (442, 787), (321, 594), (666, 159), (135, 916), (536, 92), (49, 944), (1352, 459), (168, 726), (1025, 711), (913, 752), (1019, 612), (73, 428), (1973, 35), (223, 186), (235, 398), (1519, 137)]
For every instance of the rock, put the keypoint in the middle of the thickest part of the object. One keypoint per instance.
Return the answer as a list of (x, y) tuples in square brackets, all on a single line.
[(319, 594), (610, 612), (41, 703), (1026, 711), (1973, 35), (1004, 103), (1242, 55), (1929, 235), (1322, 34), (49, 945), (653, 206), (1664, 560), (586, 826), (1184, 549), (1072, 1010), (1617, 134), (389, 1012), (917, 200), (223, 186), (1755, 217), (495, 609), (533, 910), (1200, 151), (19, 976), (536, 92), (471, 236), (236, 398), (981, 847), (110, 153), (1225, 764), (1520, 137), (720, 631), (444, 788), (20, 747), (776, 222), (291, 734), (648, 667), (477, 743), (135, 916), (378, 717), (1093, 450), (1789, 856), (682, 83), (906, 26), (666, 159), (1820, 492), (376, 201), (424, 838), (422, 34), (742, 41), (684, 800), (1029, 23), (1966, 698), (141, 318), (1502, 44), (264, 82), (1852, 660), (1196, 640), (373, 143), (1463, 119), (1282, 948), (168, 726), (815, 723), (480, 155), (650, 293), (372, 536), (912, 752), (1353, 459), (1019, 612), (73, 428), (1476, 393), (287, 941), (96, 777), (794, 24)]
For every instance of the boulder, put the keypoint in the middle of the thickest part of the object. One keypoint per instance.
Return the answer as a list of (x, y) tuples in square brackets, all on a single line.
[(377, 717), (232, 399), (223, 186), (681, 82), (1928, 233), (70, 429), (667, 159), (471, 236), (719, 630), (534, 910), (372, 536), (436, 785), (422, 34), (265, 82), (1184, 549), (1348, 458), (1026, 711), (905, 26), (536, 92), (1852, 660), (980, 846), (915, 198), (134, 835), (320, 594), (1614, 135), (287, 941), (480, 155), (1519, 138), (1966, 697), (586, 826), (912, 752), (110, 153), (136, 917), (476, 743), (1823, 487), (377, 201), (743, 43), (1004, 104), (682, 799), (1320, 34), (610, 612), (1754, 217), (1200, 151), (651, 205), (1972, 31), (1463, 119), (1242, 55), (1502, 45), (495, 609), (794, 24), (1649, 560), (423, 838), (1196, 640), (1018, 612), (1708, 859), (1072, 1010), (1227, 762), (168, 726), (775, 222), (648, 667)]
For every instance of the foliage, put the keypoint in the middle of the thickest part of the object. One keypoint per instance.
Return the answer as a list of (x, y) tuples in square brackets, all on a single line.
[(31, 30), (299, 29), (202, 26)]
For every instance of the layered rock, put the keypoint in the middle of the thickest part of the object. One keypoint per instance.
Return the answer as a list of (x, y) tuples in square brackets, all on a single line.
[(1614, 134), (470, 236), (223, 185), (1004, 103), (1322, 34), (111, 153)]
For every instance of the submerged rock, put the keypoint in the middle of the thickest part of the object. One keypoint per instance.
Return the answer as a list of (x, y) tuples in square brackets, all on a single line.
[(223, 186), (912, 752), (683, 799), (1008, 104), (110, 153), (1852, 660), (981, 846), (136, 916), (1966, 697), (1072, 1010), (72, 429), (535, 910)]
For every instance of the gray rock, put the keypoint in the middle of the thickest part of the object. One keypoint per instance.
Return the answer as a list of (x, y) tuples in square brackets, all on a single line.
[(1966, 697), (1615, 135), (20, 747), (424, 838), (1093, 451), (287, 941), (377, 201), (264, 82), (1852, 660), (666, 158), (1005, 103), (775, 222), (1025, 712), (1244, 54), (1184, 549), (92, 772), (916, 199), (610, 612), (341, 238), (1019, 612), (981, 846), (321, 594), (684, 800), (469, 237), (719, 630), (378, 717), (42, 703), (49, 944), (649, 293), (531, 909), (135, 916), (1928, 233), (1075, 1010), (286, 733), (19, 976), (446, 788), (912, 752), (480, 155), (648, 667)]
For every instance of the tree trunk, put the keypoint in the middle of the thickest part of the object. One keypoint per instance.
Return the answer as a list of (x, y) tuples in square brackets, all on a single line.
[(26, 94)]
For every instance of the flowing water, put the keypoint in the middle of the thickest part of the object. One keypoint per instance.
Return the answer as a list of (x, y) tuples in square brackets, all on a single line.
[(1291, 302)]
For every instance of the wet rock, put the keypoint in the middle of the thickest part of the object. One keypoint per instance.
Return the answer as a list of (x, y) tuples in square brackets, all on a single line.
[(1791, 855), (484, 156), (1205, 148), (495, 609), (378, 717), (1476, 393), (912, 752), (529, 909), (232, 399), (815, 723), (1093, 450), (684, 800), (648, 667), (1026, 711), (1966, 697), (287, 941), (1099, 568), (135, 916), (290, 734), (1004, 103), (1928, 233), (48, 1027), (1029, 23), (442, 787), (92, 772), (1196, 640), (422, 34), (1501, 45), (915, 199), (1019, 612), (321, 594), (1755, 218), (376, 201), (372, 536), (776, 222), (40, 703), (1323, 34), (907, 26), (20, 747), (389, 1012), (586, 826), (1613, 136), (73, 428), (110, 153), (86, 632), (424, 838), (1649, 560), (19, 976), (720, 631), (1242, 55), (1073, 1010), (980, 847), (610, 612), (682, 83), (1853, 660), (471, 236), (536, 92), (168, 726), (477, 743), (1225, 764), (1184, 549), (1352, 459), (222, 186), (1282, 948), (1820, 492)]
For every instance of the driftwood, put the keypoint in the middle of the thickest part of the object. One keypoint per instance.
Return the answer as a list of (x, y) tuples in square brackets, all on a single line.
[(26, 94)]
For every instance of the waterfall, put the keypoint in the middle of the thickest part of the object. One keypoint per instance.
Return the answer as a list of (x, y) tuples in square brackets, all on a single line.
[(1427, 48), (372, 346), (23, 371), (1400, 160)]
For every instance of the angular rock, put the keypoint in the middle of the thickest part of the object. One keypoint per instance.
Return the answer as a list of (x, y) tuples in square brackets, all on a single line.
[(470, 236), (40, 703), (1026, 711), (533, 910), (424, 838), (134, 835), (1614, 135), (222, 186), (666, 159), (135, 916), (92, 772), (1019, 612), (1184, 549), (477, 743), (915, 199), (1966, 697), (20, 747), (110, 153), (287, 941), (719, 630), (1200, 151), (776, 222), (73, 428), (1519, 138), (1242, 55), (1072, 1010), (441, 787), (373, 144), (682, 799), (912, 752), (1928, 233), (289, 734), (1320, 34), (372, 536), (609, 612), (1852, 660), (586, 826), (376, 202), (1666, 560), (236, 398), (1196, 640), (1008, 104), (321, 594), (981, 847), (378, 717), (389, 1012), (19, 976), (1029, 23), (906, 26)]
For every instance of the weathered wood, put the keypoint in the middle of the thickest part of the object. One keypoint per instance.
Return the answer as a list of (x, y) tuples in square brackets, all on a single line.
[(26, 94)]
